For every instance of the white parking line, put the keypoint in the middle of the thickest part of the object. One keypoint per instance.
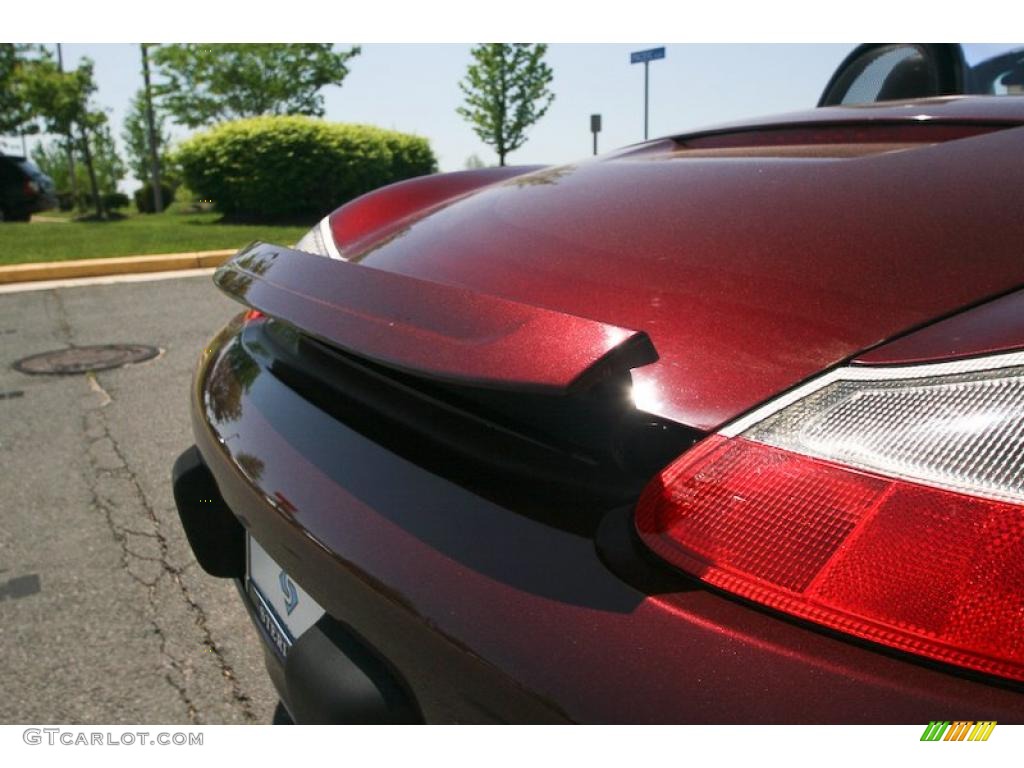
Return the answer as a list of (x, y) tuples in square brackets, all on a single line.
[(44, 285)]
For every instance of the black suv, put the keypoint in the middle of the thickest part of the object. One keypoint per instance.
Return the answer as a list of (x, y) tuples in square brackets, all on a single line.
[(24, 189)]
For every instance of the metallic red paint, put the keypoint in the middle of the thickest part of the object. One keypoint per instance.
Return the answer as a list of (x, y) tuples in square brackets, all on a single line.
[(375, 215), (491, 614), (900, 134), (749, 274), (959, 109), (995, 326)]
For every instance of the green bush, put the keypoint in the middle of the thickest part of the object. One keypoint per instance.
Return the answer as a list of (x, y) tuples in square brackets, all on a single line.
[(144, 196), (86, 202), (184, 196), (115, 200), (288, 167)]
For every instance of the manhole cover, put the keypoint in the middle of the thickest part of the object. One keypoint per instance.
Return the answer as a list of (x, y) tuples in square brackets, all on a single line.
[(83, 359)]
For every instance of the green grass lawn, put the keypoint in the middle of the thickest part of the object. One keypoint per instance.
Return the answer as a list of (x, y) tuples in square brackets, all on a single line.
[(169, 232)]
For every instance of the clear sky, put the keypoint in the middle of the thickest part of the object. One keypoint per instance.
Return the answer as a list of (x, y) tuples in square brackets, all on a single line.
[(415, 88)]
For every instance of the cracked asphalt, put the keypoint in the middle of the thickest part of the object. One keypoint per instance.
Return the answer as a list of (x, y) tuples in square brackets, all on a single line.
[(104, 614)]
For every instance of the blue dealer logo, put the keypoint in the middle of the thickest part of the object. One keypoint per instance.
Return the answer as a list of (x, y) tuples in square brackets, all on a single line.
[(291, 596)]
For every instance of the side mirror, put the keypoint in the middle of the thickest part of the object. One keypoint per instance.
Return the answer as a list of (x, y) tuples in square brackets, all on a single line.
[(895, 71)]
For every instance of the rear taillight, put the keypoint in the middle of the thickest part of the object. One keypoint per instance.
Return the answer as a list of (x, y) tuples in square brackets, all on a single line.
[(320, 241), (886, 503), (31, 188)]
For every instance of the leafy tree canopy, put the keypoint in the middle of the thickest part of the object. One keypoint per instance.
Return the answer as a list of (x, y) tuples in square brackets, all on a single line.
[(60, 100), (52, 159), (15, 113), (209, 83), (135, 135), (507, 92), (63, 102)]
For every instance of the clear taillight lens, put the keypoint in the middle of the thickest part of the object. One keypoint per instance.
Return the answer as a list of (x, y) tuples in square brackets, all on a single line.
[(320, 241), (886, 503)]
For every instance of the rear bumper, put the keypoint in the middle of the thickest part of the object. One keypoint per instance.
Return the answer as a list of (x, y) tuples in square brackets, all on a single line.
[(481, 611), (39, 203), (44, 203), (328, 676), (26, 205)]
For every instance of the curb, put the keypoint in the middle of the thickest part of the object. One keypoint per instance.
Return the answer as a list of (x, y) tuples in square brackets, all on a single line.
[(165, 262)]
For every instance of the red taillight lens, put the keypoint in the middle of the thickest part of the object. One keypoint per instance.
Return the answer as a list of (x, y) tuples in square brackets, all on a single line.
[(252, 314), (871, 550)]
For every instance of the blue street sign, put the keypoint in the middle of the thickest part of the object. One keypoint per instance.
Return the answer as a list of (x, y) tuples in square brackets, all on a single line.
[(638, 57)]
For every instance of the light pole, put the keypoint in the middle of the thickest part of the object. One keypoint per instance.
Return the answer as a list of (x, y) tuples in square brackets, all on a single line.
[(645, 58), (73, 177)]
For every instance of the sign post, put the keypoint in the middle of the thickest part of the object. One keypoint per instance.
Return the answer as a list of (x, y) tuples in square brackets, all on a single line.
[(646, 57), (595, 128)]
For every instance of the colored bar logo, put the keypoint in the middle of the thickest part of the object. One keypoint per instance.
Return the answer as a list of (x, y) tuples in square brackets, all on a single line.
[(958, 730)]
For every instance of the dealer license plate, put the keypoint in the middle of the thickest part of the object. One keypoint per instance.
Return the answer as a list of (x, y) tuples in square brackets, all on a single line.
[(283, 609)]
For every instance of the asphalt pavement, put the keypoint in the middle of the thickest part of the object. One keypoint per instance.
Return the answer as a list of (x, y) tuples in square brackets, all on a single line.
[(104, 615)]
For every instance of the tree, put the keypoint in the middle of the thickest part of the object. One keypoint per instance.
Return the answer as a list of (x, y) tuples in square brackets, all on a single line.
[(217, 82), (110, 168), (506, 93), (154, 150), (62, 100), (136, 139), (15, 112), (52, 159)]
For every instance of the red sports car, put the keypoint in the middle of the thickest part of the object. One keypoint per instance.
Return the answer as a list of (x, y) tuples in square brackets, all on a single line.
[(721, 427)]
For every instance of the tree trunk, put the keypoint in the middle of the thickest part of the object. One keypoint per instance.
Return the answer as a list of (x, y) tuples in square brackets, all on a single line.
[(154, 157), (69, 145), (96, 197), (72, 175), (502, 106)]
